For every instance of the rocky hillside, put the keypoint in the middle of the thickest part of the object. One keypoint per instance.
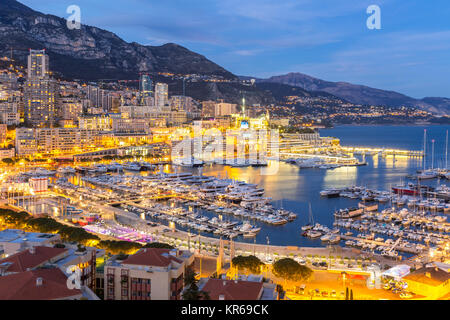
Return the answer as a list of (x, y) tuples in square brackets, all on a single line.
[(360, 94), (92, 53)]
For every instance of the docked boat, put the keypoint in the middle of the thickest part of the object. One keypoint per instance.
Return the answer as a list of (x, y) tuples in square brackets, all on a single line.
[(427, 175), (312, 234), (349, 213), (66, 170), (330, 193)]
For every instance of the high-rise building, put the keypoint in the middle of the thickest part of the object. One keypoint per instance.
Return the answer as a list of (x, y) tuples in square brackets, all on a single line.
[(145, 88), (38, 64), (39, 91), (40, 102), (161, 95)]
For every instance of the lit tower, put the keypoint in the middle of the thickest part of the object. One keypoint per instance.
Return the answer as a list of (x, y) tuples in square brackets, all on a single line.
[(145, 88), (38, 64)]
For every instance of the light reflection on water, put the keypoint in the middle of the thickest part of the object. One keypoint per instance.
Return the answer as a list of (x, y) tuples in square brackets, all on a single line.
[(294, 188)]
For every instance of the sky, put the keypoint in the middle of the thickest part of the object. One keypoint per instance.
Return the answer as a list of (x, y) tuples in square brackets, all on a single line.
[(327, 39)]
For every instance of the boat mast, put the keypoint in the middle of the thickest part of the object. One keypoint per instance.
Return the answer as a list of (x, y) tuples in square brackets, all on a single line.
[(424, 148), (311, 218), (446, 151), (432, 154)]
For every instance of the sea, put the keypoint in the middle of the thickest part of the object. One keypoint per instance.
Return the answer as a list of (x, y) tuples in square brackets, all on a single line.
[(296, 189)]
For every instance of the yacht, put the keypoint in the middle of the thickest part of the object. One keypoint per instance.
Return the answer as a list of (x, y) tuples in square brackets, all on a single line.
[(312, 234), (66, 170), (188, 162), (426, 175)]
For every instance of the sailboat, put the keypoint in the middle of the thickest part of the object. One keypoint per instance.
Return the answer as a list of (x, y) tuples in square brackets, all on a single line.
[(310, 224)]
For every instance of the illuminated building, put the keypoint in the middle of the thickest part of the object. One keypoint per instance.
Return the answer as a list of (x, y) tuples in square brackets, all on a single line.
[(60, 140), (38, 64), (39, 91), (26, 143), (10, 118), (40, 101), (161, 96), (181, 103), (430, 282), (224, 109), (70, 109), (131, 125), (145, 88), (150, 274), (95, 122), (3, 132), (208, 109)]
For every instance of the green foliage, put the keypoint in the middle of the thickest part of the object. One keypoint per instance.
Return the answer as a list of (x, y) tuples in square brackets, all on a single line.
[(8, 161), (251, 264), (159, 245), (69, 233), (192, 291), (289, 269), (117, 247), (44, 225), (13, 217)]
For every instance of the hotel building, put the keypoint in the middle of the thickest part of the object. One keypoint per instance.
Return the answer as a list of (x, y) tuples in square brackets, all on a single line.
[(150, 274)]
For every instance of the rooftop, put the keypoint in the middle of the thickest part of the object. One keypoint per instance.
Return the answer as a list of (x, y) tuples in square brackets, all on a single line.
[(30, 258), (17, 236), (40, 284), (432, 276), (232, 289), (154, 257)]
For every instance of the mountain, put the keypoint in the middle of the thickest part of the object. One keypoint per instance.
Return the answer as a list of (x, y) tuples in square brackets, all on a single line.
[(280, 90), (360, 94), (442, 104), (92, 53)]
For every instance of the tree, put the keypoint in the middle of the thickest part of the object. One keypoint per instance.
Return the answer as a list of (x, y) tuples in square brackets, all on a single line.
[(346, 293), (192, 291), (117, 247), (8, 161), (159, 245), (351, 294), (250, 264), (290, 269)]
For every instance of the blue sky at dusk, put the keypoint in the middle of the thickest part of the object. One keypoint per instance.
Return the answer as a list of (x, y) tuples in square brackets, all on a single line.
[(327, 39)]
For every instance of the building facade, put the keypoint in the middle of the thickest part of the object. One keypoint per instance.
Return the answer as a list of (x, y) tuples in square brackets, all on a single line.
[(150, 274)]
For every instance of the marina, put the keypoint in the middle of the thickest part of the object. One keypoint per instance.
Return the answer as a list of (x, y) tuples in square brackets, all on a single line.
[(226, 201)]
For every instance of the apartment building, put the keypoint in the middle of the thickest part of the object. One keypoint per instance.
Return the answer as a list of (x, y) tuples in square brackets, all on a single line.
[(150, 274)]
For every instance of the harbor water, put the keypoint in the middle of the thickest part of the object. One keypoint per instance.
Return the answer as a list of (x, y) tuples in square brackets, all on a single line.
[(293, 188)]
